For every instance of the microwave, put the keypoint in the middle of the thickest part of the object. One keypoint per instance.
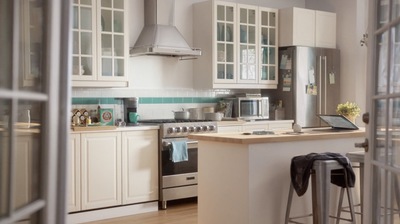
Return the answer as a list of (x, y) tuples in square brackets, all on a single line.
[(250, 108)]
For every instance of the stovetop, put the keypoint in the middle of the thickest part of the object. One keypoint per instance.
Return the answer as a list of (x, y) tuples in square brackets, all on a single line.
[(172, 128)]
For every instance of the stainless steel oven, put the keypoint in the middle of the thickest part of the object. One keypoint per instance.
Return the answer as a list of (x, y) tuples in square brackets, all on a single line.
[(179, 179)]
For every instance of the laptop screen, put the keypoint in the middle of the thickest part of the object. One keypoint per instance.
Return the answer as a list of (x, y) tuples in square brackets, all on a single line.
[(338, 121)]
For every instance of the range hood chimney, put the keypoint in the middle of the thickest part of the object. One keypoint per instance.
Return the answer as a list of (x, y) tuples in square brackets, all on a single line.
[(161, 39)]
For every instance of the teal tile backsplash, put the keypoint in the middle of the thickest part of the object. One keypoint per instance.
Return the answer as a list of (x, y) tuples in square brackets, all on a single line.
[(146, 100)]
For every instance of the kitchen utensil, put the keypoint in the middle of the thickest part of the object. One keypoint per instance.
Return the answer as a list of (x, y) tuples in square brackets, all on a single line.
[(213, 116), (195, 113), (133, 117), (181, 115)]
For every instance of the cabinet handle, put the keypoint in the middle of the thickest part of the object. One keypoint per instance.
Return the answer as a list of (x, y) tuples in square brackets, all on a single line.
[(190, 178)]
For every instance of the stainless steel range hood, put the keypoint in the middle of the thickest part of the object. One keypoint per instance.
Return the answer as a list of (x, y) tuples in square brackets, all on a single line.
[(161, 39)]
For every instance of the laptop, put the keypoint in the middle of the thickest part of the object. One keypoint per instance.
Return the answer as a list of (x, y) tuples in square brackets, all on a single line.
[(338, 122)]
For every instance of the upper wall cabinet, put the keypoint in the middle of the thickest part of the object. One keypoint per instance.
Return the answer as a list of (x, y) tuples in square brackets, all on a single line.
[(304, 27), (239, 45), (100, 43)]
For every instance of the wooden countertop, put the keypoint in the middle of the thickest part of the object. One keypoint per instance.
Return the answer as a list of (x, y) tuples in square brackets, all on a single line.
[(280, 136)]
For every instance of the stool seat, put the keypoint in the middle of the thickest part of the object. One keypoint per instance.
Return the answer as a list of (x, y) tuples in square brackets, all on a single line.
[(357, 156)]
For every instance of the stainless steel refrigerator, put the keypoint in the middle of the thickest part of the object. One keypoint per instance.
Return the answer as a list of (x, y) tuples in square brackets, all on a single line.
[(309, 84)]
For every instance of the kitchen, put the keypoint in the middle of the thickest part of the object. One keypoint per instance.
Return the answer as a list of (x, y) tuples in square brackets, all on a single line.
[(156, 78)]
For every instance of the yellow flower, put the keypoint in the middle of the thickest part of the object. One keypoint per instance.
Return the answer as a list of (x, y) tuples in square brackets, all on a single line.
[(348, 109)]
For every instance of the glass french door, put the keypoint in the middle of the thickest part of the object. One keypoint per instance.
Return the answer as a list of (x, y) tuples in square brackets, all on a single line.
[(383, 158), (34, 90)]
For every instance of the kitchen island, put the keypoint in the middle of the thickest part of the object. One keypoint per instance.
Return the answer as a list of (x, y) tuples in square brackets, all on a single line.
[(244, 179)]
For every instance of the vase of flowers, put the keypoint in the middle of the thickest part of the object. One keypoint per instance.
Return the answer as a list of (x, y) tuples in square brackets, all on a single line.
[(350, 110)]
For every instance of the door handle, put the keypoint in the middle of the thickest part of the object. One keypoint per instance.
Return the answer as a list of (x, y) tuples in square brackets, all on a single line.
[(362, 145), (365, 118)]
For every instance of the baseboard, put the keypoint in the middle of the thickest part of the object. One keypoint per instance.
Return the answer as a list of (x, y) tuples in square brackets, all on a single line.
[(109, 213)]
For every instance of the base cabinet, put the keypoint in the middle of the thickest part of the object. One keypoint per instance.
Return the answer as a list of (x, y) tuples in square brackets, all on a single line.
[(101, 170), (255, 126), (112, 168), (139, 166)]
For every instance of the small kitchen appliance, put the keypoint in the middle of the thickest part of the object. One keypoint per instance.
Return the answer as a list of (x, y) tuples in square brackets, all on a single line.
[(130, 108), (250, 107)]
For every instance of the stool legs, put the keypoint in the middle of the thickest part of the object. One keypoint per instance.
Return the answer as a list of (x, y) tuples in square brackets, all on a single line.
[(289, 203), (351, 206)]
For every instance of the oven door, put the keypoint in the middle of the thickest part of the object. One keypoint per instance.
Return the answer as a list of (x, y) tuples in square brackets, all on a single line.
[(170, 168)]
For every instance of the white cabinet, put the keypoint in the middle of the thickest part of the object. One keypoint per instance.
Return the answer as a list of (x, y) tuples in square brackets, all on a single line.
[(74, 174), (112, 168), (100, 44), (276, 125), (101, 169), (239, 45), (305, 27), (139, 166)]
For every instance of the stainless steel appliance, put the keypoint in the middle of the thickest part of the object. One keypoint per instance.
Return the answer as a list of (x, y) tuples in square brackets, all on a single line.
[(309, 83), (179, 180), (250, 106)]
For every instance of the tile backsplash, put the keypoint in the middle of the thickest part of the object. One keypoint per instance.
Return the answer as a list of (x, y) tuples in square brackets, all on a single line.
[(153, 103)]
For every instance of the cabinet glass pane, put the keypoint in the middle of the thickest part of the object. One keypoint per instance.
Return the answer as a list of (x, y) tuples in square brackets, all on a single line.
[(87, 66), (229, 14), (4, 153), (229, 32), (229, 53), (86, 43), (220, 32), (106, 3), (264, 18), (252, 17), (76, 66), (272, 73), (243, 54), (86, 18), (119, 67), (220, 71), (264, 73), (272, 40), (118, 22), (243, 72), (106, 45), (252, 35), (106, 65), (221, 52), (119, 46), (264, 55), (106, 18), (243, 15), (220, 12), (86, 2), (251, 55), (243, 34), (118, 4), (272, 58), (395, 9), (229, 71), (264, 36), (272, 19)]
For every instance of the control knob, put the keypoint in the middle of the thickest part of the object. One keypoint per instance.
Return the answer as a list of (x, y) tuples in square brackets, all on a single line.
[(171, 130)]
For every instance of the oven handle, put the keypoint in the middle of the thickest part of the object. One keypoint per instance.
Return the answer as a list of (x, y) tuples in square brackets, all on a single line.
[(190, 144)]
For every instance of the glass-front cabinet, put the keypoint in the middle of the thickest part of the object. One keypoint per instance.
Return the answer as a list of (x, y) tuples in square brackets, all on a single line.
[(239, 45), (100, 47), (225, 31)]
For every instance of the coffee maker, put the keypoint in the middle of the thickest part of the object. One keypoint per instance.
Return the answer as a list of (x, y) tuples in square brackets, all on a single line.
[(130, 106)]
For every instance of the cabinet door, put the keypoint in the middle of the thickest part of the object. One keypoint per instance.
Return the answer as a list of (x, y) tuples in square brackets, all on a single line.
[(229, 129), (325, 29), (268, 46), (84, 41), (139, 166), (225, 20), (74, 189), (248, 39), (112, 40), (101, 169)]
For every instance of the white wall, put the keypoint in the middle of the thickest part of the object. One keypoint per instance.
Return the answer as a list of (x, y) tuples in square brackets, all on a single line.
[(351, 25)]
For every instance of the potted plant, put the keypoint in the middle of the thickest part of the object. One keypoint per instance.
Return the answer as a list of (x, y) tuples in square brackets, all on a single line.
[(349, 110)]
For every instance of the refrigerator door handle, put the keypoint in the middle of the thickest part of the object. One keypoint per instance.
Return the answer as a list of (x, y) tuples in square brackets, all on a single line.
[(325, 83), (319, 85)]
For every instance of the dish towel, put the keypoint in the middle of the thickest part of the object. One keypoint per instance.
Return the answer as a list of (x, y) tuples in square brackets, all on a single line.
[(178, 151)]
